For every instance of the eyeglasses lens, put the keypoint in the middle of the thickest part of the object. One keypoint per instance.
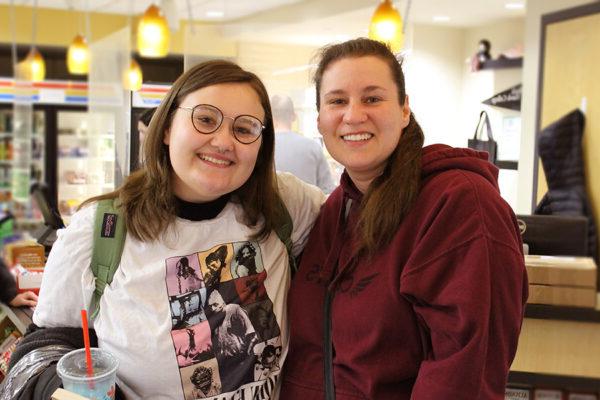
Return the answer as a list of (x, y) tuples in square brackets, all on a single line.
[(207, 119), (247, 129)]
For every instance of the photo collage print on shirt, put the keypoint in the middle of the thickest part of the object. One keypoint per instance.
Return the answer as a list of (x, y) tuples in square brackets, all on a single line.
[(224, 331)]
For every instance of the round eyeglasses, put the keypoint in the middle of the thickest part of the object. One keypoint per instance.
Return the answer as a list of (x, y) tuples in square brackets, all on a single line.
[(207, 119)]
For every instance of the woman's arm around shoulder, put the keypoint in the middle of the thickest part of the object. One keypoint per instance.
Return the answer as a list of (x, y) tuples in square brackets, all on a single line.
[(303, 201), (68, 280)]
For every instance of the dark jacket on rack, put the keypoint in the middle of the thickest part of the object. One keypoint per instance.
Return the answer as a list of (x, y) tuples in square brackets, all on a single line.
[(559, 147), (34, 381)]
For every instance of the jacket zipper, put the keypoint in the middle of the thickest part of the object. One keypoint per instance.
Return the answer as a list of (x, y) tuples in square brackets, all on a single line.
[(328, 346)]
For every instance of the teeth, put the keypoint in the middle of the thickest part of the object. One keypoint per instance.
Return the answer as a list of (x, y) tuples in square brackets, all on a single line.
[(214, 160), (358, 137)]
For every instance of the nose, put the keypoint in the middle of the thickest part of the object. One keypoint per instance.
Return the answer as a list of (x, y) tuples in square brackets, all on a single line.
[(355, 113), (223, 138)]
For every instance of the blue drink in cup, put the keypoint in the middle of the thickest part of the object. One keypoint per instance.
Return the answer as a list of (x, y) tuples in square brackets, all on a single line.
[(72, 369)]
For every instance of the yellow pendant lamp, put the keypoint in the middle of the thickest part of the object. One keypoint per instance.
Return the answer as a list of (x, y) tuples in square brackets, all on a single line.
[(132, 76), (153, 34), (34, 66), (386, 26), (78, 56)]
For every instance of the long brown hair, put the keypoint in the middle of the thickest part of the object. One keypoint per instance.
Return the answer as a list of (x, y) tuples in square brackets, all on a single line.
[(146, 197), (391, 195)]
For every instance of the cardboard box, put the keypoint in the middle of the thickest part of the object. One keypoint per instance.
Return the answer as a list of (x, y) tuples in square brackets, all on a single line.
[(28, 254), (562, 281), (562, 296), (28, 279), (561, 271)]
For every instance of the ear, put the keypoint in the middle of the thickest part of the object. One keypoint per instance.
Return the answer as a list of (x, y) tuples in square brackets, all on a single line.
[(319, 123), (405, 113), (167, 137)]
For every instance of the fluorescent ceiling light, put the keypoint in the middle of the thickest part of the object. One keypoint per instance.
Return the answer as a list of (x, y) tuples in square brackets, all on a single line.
[(514, 6), (441, 18), (215, 14)]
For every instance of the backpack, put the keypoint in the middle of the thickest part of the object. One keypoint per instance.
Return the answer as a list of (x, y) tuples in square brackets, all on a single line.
[(109, 239)]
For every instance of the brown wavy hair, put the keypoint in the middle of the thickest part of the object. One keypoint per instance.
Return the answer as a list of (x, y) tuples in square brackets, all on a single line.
[(391, 195), (146, 198)]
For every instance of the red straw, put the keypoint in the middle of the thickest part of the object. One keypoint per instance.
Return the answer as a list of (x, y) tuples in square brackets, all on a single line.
[(86, 342)]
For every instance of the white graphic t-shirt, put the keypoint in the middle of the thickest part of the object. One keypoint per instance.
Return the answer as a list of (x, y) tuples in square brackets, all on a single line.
[(200, 314)]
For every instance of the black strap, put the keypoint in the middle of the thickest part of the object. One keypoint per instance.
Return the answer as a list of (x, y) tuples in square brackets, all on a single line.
[(328, 347), (328, 377), (484, 119)]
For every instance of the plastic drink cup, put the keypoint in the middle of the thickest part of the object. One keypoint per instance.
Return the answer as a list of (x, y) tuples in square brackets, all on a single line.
[(72, 369)]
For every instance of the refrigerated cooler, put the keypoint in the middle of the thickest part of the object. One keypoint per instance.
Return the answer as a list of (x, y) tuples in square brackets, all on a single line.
[(24, 211), (86, 164)]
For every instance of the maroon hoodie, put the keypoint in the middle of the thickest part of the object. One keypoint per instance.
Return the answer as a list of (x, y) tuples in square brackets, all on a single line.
[(435, 315)]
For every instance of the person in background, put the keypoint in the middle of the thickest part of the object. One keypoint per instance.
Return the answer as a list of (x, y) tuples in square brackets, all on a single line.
[(208, 181), (143, 124), (412, 284), (295, 153), (8, 290)]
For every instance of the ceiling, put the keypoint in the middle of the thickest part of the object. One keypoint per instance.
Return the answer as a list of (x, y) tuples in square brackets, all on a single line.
[(310, 22)]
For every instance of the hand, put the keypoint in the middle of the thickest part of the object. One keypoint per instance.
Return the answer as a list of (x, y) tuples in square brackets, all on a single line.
[(28, 299)]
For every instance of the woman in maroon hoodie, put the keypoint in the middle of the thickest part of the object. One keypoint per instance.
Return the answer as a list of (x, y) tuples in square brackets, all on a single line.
[(413, 284)]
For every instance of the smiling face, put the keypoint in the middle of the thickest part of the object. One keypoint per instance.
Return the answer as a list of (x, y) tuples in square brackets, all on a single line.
[(206, 167), (360, 116)]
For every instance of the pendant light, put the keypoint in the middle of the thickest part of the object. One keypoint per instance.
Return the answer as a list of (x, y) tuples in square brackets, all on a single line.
[(153, 34), (132, 76), (33, 66), (78, 56), (386, 26)]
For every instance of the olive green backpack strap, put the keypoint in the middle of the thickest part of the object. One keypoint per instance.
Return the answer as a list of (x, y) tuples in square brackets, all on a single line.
[(109, 238), (284, 233)]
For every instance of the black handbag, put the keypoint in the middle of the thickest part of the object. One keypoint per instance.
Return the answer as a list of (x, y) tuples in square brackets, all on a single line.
[(477, 143)]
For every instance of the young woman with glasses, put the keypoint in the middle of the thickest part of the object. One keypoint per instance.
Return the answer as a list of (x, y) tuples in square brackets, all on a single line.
[(207, 185)]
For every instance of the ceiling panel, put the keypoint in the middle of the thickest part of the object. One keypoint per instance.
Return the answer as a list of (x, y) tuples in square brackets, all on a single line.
[(309, 22)]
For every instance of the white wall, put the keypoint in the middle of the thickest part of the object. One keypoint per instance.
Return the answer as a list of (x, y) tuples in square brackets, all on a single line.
[(433, 73), (535, 10), (481, 85)]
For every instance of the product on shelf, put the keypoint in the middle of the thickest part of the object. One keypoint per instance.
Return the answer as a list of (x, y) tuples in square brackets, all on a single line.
[(75, 177), (517, 394), (27, 253), (547, 394), (582, 396)]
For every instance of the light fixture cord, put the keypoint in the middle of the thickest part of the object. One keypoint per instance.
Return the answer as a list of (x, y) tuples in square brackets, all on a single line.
[(14, 38), (190, 17), (88, 29), (34, 20), (406, 10)]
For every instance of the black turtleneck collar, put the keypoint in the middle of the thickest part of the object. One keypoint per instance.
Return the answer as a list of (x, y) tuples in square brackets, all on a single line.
[(200, 211)]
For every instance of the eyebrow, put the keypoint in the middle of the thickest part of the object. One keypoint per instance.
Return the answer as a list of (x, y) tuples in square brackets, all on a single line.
[(368, 89)]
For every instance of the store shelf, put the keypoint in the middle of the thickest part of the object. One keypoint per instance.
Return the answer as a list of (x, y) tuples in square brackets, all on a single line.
[(573, 383), (503, 164), (21, 317), (577, 314), (503, 63)]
